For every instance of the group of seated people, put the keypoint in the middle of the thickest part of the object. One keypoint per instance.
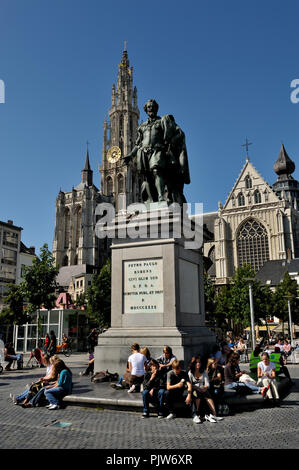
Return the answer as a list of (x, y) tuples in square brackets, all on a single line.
[(50, 389), (165, 384)]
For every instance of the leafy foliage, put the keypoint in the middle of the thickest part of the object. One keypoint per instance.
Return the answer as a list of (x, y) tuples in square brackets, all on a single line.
[(232, 305), (210, 295), (13, 311), (39, 283), (37, 289), (287, 288), (98, 297), (80, 300)]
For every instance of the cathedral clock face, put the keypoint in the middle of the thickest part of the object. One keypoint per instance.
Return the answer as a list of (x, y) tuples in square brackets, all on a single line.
[(113, 154)]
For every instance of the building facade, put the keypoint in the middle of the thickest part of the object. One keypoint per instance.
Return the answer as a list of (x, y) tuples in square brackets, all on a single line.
[(75, 241), (257, 223), (14, 256)]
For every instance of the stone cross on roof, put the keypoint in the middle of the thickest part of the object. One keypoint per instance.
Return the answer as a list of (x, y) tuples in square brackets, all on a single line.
[(247, 145)]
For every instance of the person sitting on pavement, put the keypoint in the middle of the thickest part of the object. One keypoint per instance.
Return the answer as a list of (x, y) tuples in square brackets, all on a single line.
[(266, 377), (63, 386), (216, 379), (176, 382), (64, 343), (147, 354), (287, 350), (222, 355), (200, 391), (254, 359), (153, 389), (28, 393), (136, 367), (232, 374), (37, 395), (279, 345), (166, 360), (215, 349), (123, 381), (90, 368), (241, 347), (280, 367), (10, 356)]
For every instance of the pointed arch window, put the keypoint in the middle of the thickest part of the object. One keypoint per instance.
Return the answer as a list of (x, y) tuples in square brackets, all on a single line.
[(120, 184), (241, 199), (248, 182), (252, 244), (257, 197), (65, 261), (109, 186), (67, 225), (78, 224), (121, 125)]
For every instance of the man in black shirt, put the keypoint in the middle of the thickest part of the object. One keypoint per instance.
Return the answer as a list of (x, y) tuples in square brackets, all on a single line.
[(153, 389), (177, 381), (53, 343)]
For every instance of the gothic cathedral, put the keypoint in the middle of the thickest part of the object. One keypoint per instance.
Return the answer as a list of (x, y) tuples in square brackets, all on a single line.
[(120, 134), (75, 241)]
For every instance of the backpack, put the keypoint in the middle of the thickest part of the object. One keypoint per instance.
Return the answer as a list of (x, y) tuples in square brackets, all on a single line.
[(103, 376)]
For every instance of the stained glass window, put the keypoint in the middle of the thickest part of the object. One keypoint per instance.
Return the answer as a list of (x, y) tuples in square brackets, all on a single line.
[(253, 244)]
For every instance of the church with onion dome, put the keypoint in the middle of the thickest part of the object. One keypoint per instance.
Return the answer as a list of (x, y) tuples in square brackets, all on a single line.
[(257, 223)]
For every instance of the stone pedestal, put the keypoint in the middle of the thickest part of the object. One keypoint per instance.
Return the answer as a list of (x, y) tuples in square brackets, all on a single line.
[(157, 297)]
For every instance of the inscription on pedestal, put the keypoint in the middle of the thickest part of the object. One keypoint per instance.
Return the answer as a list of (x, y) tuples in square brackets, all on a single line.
[(143, 286)]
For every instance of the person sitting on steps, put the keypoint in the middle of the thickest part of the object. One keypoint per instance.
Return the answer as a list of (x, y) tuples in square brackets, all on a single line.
[(266, 377), (136, 367), (177, 381), (153, 389), (199, 380)]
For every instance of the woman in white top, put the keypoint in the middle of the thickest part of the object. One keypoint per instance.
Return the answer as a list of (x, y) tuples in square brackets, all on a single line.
[(200, 384), (136, 367), (266, 377)]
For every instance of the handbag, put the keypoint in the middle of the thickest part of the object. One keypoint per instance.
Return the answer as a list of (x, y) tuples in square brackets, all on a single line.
[(36, 387)]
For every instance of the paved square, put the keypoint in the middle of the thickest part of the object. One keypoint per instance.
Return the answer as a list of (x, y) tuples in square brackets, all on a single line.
[(93, 428)]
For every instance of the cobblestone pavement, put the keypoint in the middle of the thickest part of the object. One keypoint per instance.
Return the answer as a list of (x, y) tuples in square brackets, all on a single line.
[(93, 428)]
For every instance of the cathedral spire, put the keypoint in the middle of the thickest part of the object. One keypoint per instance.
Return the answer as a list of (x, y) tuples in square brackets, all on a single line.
[(86, 173)]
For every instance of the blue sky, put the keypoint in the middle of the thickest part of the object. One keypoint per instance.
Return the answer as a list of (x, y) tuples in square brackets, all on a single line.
[(222, 68)]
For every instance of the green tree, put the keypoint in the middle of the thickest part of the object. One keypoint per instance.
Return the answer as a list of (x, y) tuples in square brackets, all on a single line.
[(287, 288), (39, 285), (80, 300), (222, 308), (98, 297), (13, 311), (239, 305), (37, 289), (210, 297)]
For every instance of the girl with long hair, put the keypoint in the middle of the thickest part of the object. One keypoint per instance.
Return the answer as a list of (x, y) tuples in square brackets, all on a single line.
[(200, 391)]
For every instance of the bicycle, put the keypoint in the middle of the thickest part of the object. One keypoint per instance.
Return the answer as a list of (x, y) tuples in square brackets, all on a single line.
[(67, 351)]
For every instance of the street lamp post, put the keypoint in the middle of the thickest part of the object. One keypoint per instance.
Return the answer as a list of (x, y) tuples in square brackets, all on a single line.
[(250, 280), (290, 322)]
